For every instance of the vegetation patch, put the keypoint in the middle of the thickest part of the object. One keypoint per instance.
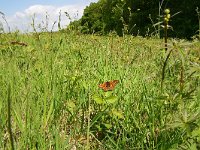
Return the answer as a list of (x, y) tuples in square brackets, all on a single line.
[(68, 91)]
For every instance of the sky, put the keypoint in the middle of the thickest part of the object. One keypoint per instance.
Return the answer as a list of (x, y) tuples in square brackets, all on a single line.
[(19, 14)]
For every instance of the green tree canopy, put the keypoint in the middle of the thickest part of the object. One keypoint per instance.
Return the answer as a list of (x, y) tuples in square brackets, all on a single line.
[(138, 17)]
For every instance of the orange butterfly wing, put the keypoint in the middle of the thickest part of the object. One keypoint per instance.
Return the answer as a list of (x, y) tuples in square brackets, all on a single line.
[(109, 85)]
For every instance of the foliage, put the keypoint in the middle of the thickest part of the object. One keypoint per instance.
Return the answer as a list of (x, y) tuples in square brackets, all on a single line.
[(138, 17)]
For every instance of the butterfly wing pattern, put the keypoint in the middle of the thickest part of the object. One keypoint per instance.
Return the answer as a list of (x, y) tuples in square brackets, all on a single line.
[(109, 85)]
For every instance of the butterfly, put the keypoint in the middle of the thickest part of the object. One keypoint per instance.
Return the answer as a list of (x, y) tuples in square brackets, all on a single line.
[(109, 85)]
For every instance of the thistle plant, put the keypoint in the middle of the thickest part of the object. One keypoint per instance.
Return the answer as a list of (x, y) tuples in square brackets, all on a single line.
[(166, 24)]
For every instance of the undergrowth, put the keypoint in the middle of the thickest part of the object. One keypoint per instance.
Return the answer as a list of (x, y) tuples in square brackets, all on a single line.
[(52, 85)]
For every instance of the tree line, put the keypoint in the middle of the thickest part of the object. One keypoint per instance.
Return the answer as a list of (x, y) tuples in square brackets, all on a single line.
[(140, 17)]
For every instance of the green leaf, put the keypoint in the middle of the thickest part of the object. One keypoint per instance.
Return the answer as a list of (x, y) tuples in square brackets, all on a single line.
[(98, 127), (97, 117), (50, 113), (1, 104), (108, 94), (71, 105), (111, 99), (108, 126), (118, 113), (98, 99), (85, 85), (196, 132)]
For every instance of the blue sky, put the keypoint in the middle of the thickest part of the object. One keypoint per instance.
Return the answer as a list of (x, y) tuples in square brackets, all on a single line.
[(19, 12)]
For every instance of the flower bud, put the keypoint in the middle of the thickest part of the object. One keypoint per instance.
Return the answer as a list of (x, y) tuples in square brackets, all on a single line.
[(166, 19), (168, 16), (167, 11)]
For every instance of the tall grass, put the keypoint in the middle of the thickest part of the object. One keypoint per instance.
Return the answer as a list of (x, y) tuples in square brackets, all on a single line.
[(54, 83)]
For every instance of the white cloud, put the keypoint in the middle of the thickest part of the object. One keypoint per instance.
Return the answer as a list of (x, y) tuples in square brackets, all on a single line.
[(44, 17), (19, 15), (39, 9)]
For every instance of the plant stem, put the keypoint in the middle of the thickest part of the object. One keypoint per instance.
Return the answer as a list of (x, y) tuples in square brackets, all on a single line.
[(166, 23), (163, 70), (9, 118)]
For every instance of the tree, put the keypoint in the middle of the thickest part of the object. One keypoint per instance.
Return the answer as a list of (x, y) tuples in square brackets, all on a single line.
[(138, 17)]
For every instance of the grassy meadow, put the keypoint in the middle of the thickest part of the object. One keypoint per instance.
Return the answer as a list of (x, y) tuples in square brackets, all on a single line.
[(50, 99)]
